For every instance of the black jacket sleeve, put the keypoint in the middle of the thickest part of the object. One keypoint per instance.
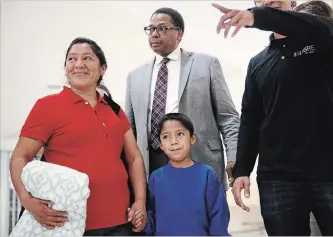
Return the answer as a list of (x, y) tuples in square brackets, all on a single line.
[(294, 24), (248, 135)]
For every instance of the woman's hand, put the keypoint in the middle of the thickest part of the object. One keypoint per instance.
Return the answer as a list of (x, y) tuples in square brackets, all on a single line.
[(137, 215), (43, 214)]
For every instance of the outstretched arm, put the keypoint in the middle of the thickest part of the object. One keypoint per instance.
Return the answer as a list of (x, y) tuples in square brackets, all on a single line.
[(288, 23)]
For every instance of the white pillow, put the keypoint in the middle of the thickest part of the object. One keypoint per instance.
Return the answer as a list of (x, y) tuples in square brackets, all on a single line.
[(67, 188)]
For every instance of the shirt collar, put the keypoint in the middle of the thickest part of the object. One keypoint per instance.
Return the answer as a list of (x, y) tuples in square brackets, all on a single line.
[(277, 43), (174, 56), (74, 98)]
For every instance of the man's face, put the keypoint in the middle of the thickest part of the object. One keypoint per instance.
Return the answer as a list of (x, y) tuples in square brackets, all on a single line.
[(284, 5), (167, 40)]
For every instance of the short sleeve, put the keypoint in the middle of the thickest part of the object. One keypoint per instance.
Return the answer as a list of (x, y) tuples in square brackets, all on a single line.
[(39, 124), (124, 120)]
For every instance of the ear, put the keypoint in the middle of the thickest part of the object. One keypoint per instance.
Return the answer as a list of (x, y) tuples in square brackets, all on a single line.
[(103, 69), (293, 4), (161, 146), (256, 3), (194, 139), (66, 74), (180, 35)]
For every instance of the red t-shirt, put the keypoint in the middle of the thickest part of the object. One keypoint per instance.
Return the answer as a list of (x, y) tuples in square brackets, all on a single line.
[(89, 140)]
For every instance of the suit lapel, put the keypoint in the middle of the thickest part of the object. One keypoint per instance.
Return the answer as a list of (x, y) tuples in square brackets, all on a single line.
[(146, 85), (185, 70)]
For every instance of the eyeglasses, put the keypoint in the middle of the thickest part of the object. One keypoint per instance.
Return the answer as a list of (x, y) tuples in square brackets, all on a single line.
[(161, 30)]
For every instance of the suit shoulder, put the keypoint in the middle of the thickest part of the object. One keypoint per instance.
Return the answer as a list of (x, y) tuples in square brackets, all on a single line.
[(141, 67), (204, 56)]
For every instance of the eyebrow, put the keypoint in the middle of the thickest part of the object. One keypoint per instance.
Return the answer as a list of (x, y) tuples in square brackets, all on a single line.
[(72, 54), (160, 24), (178, 130)]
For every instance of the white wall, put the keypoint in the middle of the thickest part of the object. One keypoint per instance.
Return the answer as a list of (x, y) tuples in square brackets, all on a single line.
[(36, 34)]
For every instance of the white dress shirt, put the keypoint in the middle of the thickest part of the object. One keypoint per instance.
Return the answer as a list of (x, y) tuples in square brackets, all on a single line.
[(173, 66)]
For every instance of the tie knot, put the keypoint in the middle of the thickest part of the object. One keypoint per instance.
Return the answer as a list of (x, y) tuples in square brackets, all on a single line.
[(165, 60)]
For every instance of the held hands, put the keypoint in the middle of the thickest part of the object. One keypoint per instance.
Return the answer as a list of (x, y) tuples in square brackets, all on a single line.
[(43, 214), (137, 215), (239, 184), (232, 17)]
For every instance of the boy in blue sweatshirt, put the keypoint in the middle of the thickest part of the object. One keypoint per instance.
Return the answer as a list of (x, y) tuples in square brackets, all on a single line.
[(186, 197)]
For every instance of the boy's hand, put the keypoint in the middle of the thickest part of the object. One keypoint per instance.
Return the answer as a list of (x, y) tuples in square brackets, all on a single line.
[(138, 219)]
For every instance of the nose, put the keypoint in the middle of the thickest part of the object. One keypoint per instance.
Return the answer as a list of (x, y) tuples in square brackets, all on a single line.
[(155, 34), (174, 140), (79, 63), (268, 2)]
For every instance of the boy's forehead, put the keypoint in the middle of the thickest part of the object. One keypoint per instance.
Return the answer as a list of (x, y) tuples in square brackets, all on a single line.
[(172, 125)]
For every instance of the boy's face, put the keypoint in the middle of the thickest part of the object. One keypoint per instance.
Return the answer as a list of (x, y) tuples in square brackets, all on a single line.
[(176, 141)]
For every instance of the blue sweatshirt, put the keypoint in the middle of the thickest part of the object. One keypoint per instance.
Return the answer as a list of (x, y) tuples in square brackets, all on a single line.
[(187, 201)]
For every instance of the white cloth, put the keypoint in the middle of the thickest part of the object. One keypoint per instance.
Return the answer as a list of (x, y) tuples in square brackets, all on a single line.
[(66, 188)]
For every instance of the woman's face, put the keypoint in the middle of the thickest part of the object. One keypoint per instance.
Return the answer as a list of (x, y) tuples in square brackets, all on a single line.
[(83, 67)]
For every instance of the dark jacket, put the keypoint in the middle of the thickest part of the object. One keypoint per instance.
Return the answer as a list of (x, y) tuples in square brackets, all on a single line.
[(287, 107)]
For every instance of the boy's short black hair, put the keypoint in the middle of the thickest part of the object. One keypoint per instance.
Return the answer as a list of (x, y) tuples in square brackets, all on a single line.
[(316, 7), (182, 118)]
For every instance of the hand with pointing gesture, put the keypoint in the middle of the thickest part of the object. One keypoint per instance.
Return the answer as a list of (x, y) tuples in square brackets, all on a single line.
[(232, 17)]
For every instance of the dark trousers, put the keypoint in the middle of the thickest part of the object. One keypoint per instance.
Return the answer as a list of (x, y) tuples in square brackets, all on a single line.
[(286, 207), (119, 230), (157, 159)]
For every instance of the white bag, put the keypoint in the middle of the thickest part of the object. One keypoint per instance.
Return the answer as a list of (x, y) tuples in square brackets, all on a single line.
[(66, 188)]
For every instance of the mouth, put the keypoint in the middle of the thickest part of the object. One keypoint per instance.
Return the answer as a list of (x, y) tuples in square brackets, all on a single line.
[(276, 5), (80, 73), (177, 149), (155, 44)]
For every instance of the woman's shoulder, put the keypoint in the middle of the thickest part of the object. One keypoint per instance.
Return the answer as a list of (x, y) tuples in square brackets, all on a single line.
[(49, 99)]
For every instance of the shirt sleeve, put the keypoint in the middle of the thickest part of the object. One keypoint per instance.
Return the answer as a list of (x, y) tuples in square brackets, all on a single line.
[(124, 120), (39, 123), (150, 225), (217, 206), (248, 134), (293, 24)]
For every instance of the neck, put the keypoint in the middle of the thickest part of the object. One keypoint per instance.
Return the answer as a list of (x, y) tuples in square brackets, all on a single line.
[(89, 95), (167, 54), (278, 36), (187, 162)]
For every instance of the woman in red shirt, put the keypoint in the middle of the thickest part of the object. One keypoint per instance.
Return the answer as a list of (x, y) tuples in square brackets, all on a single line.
[(79, 130)]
